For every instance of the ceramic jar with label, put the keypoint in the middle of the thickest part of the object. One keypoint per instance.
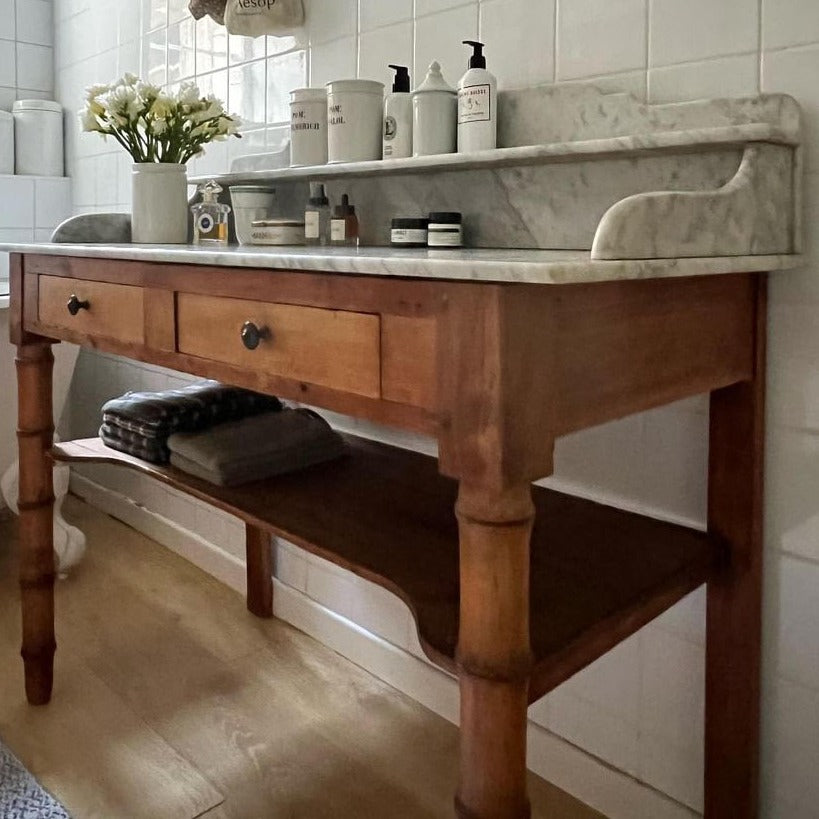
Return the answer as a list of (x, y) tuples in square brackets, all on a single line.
[(354, 120), (434, 115), (308, 127)]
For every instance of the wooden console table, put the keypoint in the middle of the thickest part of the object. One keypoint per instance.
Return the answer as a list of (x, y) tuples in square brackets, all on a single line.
[(513, 588)]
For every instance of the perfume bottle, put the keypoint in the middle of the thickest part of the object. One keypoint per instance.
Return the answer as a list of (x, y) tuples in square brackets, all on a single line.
[(210, 217)]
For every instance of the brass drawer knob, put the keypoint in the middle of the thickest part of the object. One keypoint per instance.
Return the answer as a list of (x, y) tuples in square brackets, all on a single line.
[(75, 305), (252, 335)]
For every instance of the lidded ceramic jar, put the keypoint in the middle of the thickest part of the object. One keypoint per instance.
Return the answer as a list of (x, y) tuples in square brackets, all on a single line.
[(354, 120), (38, 137), (308, 127), (434, 115)]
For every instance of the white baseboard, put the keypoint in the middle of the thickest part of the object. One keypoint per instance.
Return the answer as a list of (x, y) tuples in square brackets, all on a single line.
[(599, 785)]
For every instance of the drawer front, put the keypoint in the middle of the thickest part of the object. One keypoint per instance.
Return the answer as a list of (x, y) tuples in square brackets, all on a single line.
[(104, 310), (330, 348)]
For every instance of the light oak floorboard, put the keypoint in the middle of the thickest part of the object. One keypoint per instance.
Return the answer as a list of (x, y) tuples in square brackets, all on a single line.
[(171, 700)]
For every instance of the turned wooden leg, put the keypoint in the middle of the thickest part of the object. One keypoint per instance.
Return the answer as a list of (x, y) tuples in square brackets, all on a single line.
[(36, 502), (259, 571), (734, 618), (494, 654)]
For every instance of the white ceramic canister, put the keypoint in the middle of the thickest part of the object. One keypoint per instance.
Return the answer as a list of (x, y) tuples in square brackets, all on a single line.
[(434, 115), (38, 138), (159, 203), (355, 111), (308, 127), (6, 143)]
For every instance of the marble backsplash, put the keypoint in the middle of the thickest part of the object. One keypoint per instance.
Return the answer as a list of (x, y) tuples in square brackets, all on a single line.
[(614, 148), (552, 206)]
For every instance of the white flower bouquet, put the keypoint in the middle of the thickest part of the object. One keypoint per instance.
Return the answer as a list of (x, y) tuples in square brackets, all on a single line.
[(154, 126)]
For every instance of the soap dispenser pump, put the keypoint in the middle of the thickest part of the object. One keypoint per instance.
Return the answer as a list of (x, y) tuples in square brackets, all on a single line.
[(477, 104), (398, 116)]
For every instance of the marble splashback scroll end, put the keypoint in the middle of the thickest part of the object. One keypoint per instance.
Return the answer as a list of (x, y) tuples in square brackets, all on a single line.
[(752, 214)]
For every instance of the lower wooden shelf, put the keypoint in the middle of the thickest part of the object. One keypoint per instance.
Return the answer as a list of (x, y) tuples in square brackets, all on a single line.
[(597, 574)]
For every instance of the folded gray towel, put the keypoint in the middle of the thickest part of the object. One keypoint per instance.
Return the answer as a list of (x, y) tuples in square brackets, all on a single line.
[(256, 448)]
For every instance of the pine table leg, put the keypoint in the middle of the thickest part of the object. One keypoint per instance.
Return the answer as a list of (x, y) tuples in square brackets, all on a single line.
[(494, 654), (36, 503), (734, 618), (258, 550)]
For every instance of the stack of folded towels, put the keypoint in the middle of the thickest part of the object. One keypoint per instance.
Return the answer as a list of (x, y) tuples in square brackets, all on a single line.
[(224, 435)]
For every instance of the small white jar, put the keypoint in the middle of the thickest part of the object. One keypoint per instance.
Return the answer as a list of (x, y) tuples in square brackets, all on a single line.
[(308, 127), (38, 138), (355, 110), (434, 115)]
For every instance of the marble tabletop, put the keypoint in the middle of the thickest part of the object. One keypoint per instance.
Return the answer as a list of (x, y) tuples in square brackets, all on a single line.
[(502, 265)]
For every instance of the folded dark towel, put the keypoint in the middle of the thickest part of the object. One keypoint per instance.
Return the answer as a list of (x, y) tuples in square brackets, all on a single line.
[(195, 407), (256, 448), (144, 447)]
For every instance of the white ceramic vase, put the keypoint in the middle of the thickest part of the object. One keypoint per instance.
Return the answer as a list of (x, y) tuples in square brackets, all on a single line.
[(159, 203)]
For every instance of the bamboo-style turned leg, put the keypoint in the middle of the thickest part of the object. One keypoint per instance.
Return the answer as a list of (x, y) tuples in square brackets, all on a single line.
[(734, 609), (494, 653), (259, 571), (36, 502)]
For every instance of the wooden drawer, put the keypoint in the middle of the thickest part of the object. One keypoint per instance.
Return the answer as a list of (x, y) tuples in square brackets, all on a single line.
[(330, 348), (109, 310)]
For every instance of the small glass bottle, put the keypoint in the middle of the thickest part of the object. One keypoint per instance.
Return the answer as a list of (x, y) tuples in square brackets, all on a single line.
[(317, 216), (344, 224), (210, 217)]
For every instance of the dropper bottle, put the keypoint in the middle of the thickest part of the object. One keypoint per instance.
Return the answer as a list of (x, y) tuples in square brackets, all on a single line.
[(344, 224), (317, 216)]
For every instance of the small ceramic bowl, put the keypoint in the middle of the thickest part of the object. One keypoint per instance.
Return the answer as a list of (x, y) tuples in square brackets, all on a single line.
[(251, 203)]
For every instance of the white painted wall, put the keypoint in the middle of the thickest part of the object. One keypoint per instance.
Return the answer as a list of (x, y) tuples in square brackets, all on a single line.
[(639, 709)]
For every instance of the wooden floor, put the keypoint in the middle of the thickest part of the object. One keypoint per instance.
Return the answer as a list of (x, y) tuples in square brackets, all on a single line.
[(172, 702)]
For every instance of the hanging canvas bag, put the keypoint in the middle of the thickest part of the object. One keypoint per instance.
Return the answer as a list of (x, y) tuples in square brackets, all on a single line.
[(254, 18), (215, 8)]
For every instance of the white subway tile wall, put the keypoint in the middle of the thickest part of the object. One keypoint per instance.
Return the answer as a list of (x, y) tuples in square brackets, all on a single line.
[(26, 50), (640, 708)]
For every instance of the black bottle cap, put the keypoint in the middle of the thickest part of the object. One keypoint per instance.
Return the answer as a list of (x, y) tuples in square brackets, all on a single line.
[(344, 209), (477, 60), (445, 217), (401, 82), (317, 194)]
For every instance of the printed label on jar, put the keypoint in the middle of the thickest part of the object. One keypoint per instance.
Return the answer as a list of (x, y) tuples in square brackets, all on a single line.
[(474, 104), (406, 236), (311, 224), (445, 238), (299, 121), (335, 115)]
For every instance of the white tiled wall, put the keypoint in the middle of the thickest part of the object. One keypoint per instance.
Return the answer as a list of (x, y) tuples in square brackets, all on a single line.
[(26, 52), (640, 708)]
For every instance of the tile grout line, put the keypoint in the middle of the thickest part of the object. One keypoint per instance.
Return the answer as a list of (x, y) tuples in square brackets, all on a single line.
[(647, 54), (759, 47)]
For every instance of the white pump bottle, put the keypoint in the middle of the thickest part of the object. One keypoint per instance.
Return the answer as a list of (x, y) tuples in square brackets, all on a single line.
[(477, 105)]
